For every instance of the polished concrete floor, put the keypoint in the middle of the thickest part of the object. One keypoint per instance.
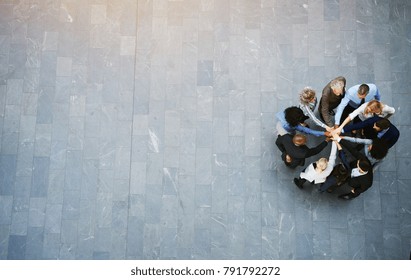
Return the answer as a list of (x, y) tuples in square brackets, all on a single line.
[(145, 129)]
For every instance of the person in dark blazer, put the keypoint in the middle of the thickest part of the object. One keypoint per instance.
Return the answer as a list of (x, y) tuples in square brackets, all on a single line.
[(376, 127), (360, 170), (331, 97), (294, 149)]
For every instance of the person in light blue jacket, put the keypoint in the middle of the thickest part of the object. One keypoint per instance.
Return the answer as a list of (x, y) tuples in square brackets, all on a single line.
[(292, 119)]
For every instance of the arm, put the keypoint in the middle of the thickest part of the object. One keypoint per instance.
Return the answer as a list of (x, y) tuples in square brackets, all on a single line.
[(357, 140), (314, 118), (340, 108), (352, 149), (340, 128), (313, 151), (331, 160), (342, 155), (359, 125), (309, 130), (352, 115)]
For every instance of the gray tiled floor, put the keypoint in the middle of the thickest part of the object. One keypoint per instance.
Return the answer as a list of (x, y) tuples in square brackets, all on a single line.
[(145, 129)]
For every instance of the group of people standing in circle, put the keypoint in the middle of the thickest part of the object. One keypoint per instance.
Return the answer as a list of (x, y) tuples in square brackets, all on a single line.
[(354, 121)]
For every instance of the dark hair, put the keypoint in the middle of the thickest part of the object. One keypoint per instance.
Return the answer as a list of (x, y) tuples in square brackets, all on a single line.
[(364, 164), (294, 115), (383, 124), (379, 148), (363, 89)]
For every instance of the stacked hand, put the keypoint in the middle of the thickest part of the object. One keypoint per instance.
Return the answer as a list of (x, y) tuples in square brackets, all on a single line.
[(333, 133)]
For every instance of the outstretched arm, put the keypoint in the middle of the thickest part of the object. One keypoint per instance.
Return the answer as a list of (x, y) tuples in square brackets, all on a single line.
[(359, 125), (340, 109), (342, 155), (357, 140), (314, 118), (331, 160), (309, 130), (353, 151)]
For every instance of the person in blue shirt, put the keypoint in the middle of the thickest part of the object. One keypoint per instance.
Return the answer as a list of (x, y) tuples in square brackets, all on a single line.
[(354, 97), (292, 120)]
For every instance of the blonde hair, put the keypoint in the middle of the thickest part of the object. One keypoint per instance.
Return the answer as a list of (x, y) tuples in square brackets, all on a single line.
[(306, 95), (322, 163), (374, 106)]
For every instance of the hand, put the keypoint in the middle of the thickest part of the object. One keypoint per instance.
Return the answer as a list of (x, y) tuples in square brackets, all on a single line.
[(335, 137), (337, 131), (329, 129), (288, 158), (328, 139), (338, 145), (327, 134), (336, 126)]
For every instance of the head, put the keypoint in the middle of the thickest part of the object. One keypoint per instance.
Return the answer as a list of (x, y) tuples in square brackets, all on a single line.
[(299, 139), (363, 165), (337, 87), (363, 91), (307, 95), (381, 125), (294, 115), (378, 149), (322, 164), (373, 107)]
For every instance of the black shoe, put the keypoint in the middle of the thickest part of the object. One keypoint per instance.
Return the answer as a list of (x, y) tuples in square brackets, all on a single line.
[(298, 183)]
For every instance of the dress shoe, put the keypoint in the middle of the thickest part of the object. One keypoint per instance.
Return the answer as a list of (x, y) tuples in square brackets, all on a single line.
[(298, 183)]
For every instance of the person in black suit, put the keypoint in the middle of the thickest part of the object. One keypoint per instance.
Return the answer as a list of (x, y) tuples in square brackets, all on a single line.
[(294, 150), (360, 170), (376, 127)]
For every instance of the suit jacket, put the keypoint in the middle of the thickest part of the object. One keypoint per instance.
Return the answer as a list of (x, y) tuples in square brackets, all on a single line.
[(391, 136), (330, 101), (298, 154), (361, 183)]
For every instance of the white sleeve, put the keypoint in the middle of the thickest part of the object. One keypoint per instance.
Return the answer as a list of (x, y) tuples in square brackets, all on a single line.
[(331, 160), (313, 117), (387, 110), (358, 111)]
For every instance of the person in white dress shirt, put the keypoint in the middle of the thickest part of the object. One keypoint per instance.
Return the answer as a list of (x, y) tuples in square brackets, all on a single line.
[(317, 172)]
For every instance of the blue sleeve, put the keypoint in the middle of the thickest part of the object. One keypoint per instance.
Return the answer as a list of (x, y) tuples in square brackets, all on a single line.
[(340, 109), (377, 95), (309, 130)]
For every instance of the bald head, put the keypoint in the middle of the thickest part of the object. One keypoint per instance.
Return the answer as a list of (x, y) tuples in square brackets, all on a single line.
[(299, 139)]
